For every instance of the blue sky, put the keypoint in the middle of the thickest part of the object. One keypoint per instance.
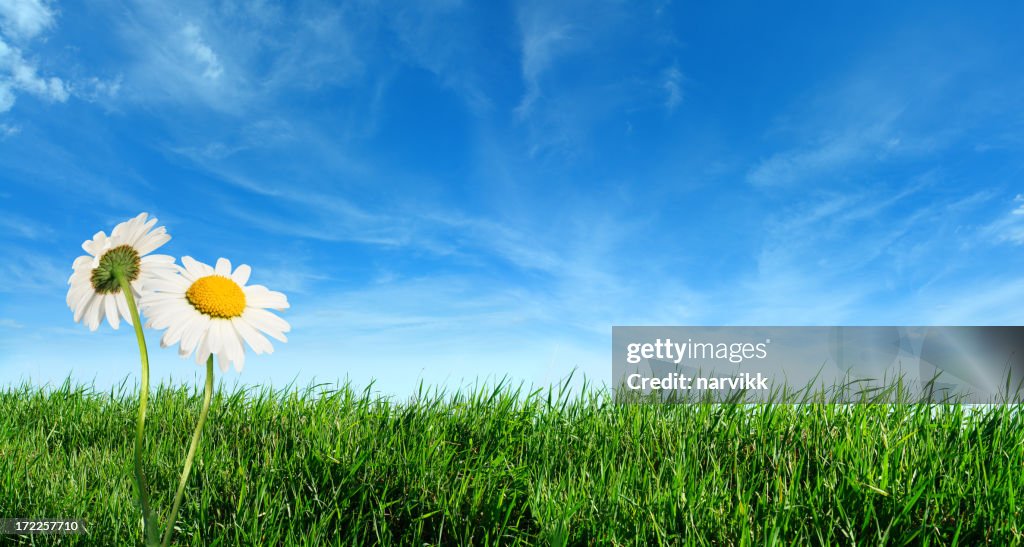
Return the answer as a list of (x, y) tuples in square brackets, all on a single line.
[(455, 190)]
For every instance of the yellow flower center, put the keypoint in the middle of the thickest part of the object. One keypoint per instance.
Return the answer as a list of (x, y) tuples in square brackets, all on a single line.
[(216, 296)]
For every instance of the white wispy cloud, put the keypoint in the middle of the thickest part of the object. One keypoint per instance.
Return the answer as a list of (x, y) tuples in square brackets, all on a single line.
[(443, 37), (24, 19), (990, 301), (577, 273), (33, 161), (23, 227), (95, 89), (181, 54), (577, 267), (545, 36), (829, 155), (1009, 227), (28, 272), (879, 109), (451, 319), (578, 67), (192, 43), (23, 25), (455, 304), (18, 74), (241, 58), (292, 278), (843, 257), (672, 84), (320, 45), (324, 214), (328, 218)]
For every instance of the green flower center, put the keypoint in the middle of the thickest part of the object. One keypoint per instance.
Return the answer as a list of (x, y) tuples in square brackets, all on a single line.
[(121, 260)]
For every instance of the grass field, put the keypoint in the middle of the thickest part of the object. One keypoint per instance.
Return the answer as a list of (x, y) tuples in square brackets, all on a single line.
[(327, 466)]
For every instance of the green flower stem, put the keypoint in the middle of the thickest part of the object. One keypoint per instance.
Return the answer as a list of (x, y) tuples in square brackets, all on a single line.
[(140, 426), (207, 394)]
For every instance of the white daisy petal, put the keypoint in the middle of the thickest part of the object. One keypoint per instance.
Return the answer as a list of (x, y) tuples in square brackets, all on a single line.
[(190, 334), (90, 304), (195, 268), (212, 338), (121, 229), (167, 285), (256, 341), (223, 267), (154, 298), (110, 308), (175, 330), (144, 230), (163, 261), (94, 315), (196, 328), (226, 336), (267, 322), (171, 272), (82, 262), (135, 229), (219, 321), (95, 245), (191, 266), (83, 304), (126, 313), (167, 314), (153, 241), (137, 288), (75, 292), (232, 341), (259, 296), (185, 274), (241, 275), (203, 351)]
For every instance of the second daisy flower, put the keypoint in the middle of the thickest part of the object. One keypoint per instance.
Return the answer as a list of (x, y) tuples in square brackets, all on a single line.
[(211, 311)]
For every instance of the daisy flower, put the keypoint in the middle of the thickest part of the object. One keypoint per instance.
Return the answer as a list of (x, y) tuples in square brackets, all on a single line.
[(211, 311), (95, 291)]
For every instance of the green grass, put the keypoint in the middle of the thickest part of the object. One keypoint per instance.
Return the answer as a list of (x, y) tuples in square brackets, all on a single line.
[(501, 466)]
